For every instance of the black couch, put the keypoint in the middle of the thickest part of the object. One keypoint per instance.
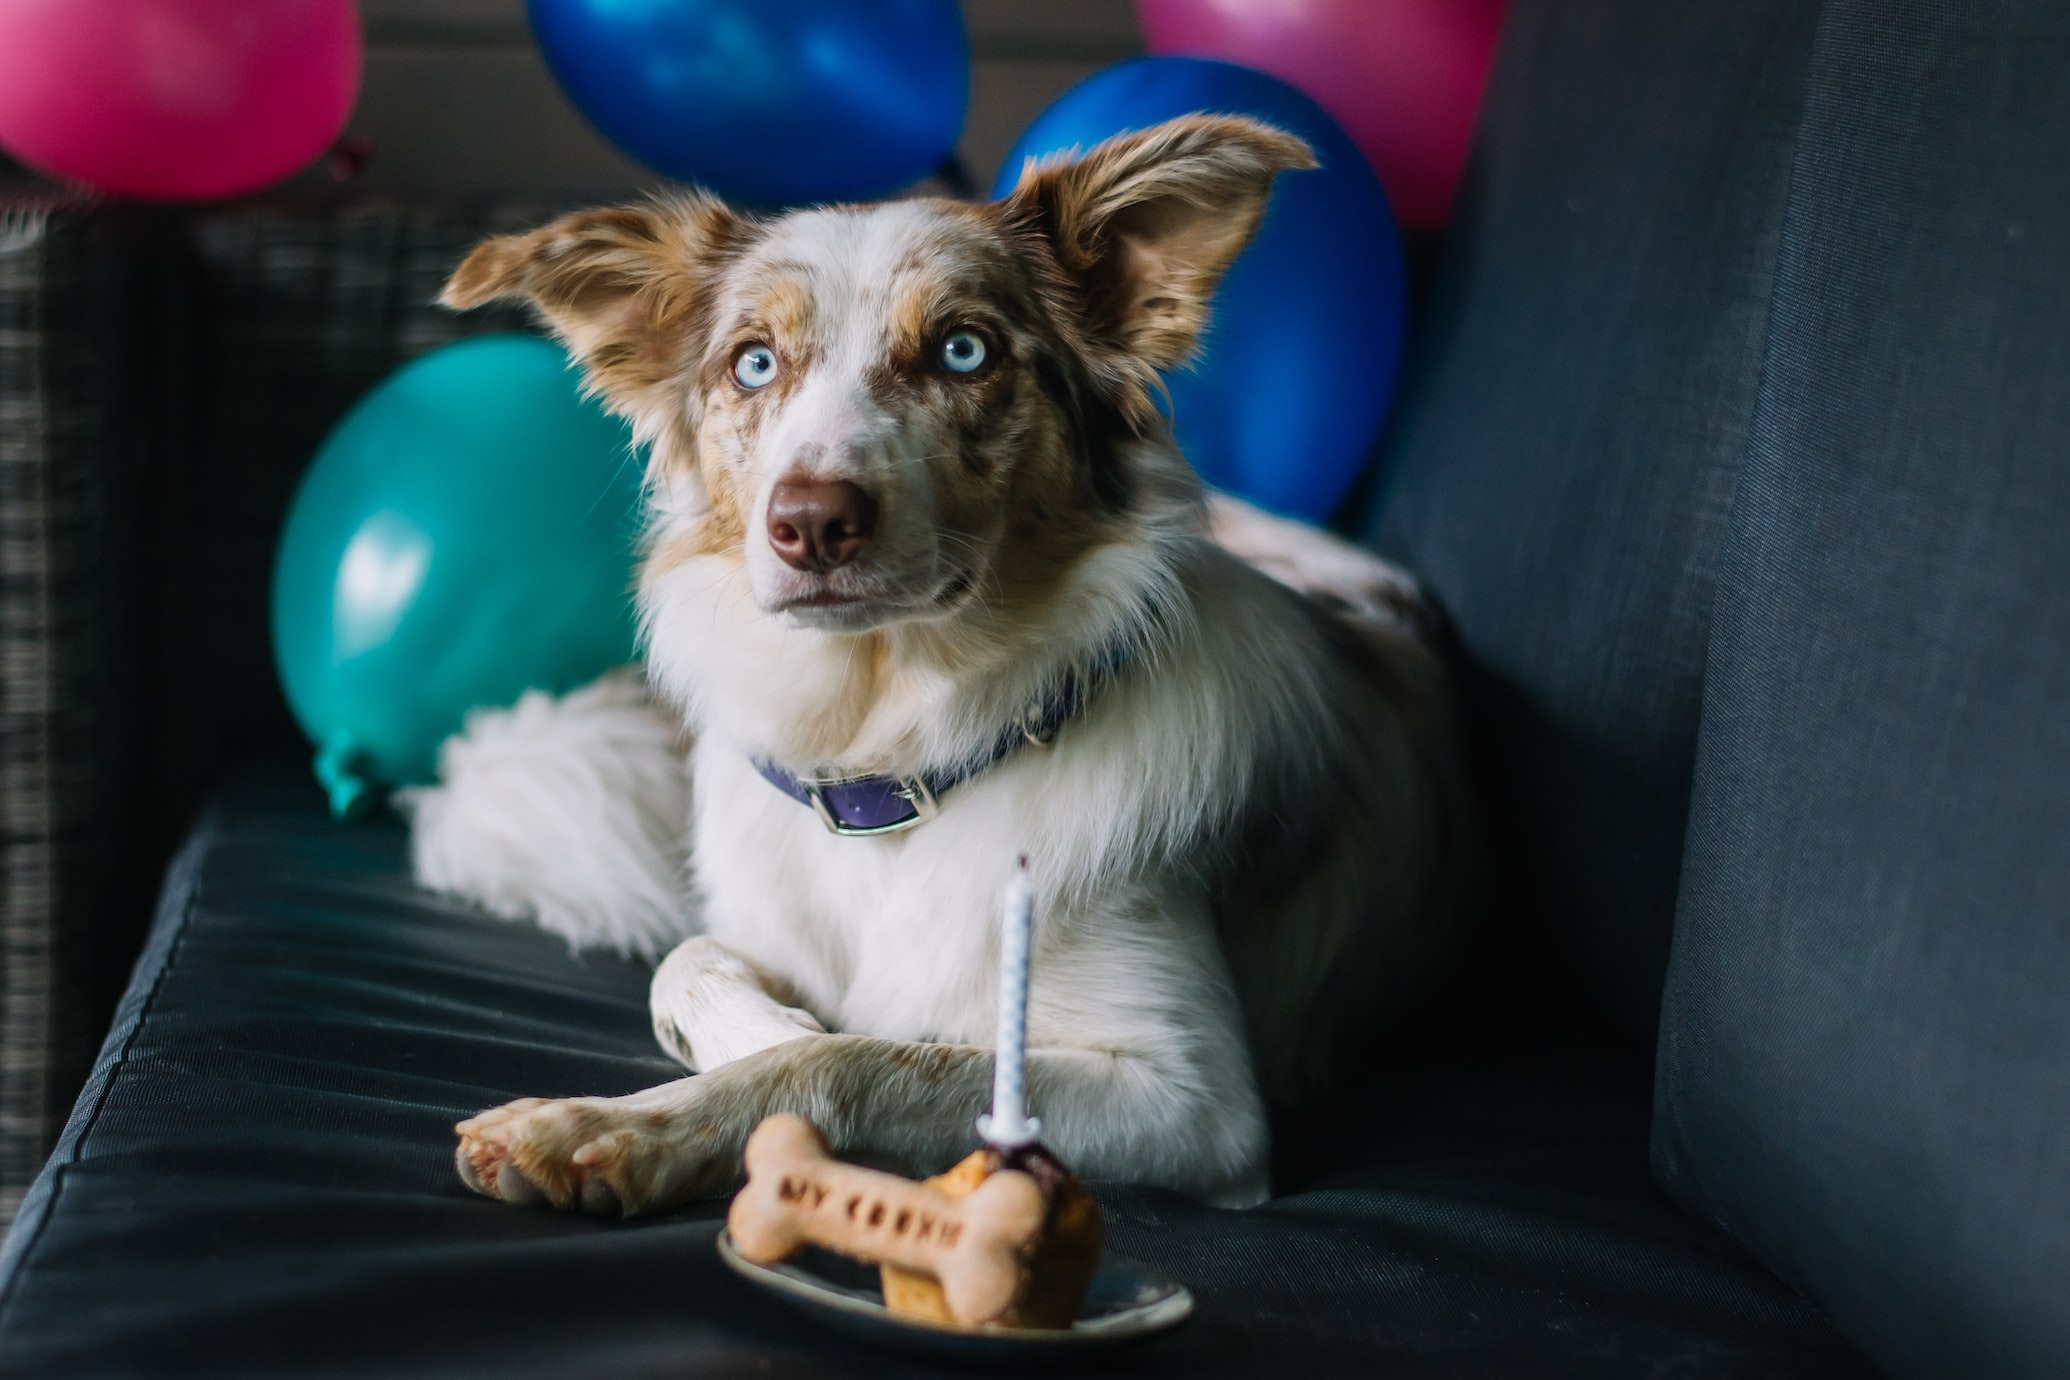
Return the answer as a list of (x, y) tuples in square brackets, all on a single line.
[(1736, 444)]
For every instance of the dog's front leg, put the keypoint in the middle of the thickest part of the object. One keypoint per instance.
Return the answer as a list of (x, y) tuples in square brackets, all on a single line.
[(1107, 1113), (711, 1007), (1137, 1067), (1138, 1071), (908, 1103)]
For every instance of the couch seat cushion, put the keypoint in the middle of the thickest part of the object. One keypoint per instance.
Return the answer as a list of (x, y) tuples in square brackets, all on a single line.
[(258, 1178)]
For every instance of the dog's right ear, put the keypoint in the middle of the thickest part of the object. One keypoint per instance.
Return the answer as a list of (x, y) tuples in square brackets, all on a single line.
[(624, 289), (1146, 222)]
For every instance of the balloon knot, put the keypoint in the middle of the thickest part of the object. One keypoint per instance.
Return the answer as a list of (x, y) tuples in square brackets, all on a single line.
[(341, 768), (349, 157)]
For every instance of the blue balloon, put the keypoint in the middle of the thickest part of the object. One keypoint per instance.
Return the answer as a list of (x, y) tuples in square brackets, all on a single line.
[(773, 102), (465, 534), (1292, 383)]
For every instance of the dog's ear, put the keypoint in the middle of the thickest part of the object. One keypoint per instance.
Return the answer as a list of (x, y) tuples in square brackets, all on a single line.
[(624, 288), (1146, 223)]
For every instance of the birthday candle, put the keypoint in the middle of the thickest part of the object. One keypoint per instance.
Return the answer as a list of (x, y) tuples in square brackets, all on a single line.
[(1009, 1126)]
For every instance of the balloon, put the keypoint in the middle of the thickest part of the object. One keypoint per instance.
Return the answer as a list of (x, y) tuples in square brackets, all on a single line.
[(1306, 333), (178, 100), (1404, 77), (464, 535), (772, 102)]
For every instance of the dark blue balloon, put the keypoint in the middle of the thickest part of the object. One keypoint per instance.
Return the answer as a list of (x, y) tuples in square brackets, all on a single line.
[(1295, 375), (773, 102)]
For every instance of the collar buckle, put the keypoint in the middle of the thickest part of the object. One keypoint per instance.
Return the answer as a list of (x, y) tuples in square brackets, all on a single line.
[(911, 789), (1039, 725)]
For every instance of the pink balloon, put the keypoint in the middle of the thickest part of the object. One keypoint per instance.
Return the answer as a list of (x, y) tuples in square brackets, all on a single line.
[(178, 100), (1404, 77)]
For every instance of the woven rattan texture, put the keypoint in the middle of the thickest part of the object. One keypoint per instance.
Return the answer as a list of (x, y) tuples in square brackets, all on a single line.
[(59, 444), (165, 377)]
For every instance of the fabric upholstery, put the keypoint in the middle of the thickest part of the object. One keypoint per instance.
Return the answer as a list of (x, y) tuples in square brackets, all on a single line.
[(259, 1181), (1865, 1055), (1733, 447), (295, 310), (1566, 442), (75, 331), (165, 375)]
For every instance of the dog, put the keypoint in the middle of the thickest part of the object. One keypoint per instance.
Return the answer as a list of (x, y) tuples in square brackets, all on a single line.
[(927, 588)]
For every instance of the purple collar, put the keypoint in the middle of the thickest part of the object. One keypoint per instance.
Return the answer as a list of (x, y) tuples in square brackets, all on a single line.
[(859, 806)]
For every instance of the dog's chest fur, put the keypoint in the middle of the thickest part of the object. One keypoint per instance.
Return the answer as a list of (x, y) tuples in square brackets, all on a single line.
[(908, 476), (1135, 821)]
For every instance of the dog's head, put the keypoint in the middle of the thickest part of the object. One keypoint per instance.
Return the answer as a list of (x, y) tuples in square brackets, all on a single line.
[(881, 413)]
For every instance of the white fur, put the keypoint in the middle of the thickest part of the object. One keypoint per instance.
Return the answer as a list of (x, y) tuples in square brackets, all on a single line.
[(711, 1008), (570, 812), (1353, 580), (1245, 844), (1139, 1062)]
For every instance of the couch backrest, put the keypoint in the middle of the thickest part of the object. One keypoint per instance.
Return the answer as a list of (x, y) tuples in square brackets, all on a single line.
[(1564, 452), (1865, 1046), (1740, 453), (165, 375)]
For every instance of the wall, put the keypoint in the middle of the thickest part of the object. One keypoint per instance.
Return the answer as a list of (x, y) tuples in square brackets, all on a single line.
[(457, 100)]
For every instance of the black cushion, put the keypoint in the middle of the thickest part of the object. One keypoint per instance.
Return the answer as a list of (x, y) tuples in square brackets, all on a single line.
[(258, 1179), (1865, 1055), (1564, 449)]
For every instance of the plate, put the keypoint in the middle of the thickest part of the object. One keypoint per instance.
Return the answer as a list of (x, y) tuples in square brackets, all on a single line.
[(1126, 1303)]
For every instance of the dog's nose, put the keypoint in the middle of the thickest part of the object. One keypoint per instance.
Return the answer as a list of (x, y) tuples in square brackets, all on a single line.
[(820, 524)]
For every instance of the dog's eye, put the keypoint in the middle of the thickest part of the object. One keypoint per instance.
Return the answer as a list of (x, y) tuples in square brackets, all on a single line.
[(963, 352), (754, 366)]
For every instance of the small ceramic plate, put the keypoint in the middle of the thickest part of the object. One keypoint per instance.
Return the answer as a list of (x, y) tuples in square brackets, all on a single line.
[(1126, 1303)]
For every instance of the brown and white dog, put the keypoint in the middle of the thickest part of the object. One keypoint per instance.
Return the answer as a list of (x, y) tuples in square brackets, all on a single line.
[(915, 517)]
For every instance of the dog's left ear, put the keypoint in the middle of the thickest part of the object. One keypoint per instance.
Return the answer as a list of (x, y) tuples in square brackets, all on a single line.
[(1146, 223), (625, 288)]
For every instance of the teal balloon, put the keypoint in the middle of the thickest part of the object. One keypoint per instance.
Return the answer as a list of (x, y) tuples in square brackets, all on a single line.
[(465, 534)]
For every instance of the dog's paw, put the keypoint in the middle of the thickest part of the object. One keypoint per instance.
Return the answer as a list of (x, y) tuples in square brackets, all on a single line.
[(592, 1153)]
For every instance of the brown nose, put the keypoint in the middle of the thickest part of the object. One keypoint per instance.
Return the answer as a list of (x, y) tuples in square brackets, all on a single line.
[(820, 524)]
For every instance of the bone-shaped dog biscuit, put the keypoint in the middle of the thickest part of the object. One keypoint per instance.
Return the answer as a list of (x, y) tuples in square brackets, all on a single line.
[(798, 1194)]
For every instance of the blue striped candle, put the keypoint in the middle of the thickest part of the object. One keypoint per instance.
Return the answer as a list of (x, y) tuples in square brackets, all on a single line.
[(1009, 1126)]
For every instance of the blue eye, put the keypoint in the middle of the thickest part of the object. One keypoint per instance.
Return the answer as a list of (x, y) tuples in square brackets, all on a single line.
[(755, 366), (963, 352)]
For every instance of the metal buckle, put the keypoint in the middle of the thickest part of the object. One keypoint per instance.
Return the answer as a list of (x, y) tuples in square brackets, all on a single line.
[(1037, 733), (911, 789)]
